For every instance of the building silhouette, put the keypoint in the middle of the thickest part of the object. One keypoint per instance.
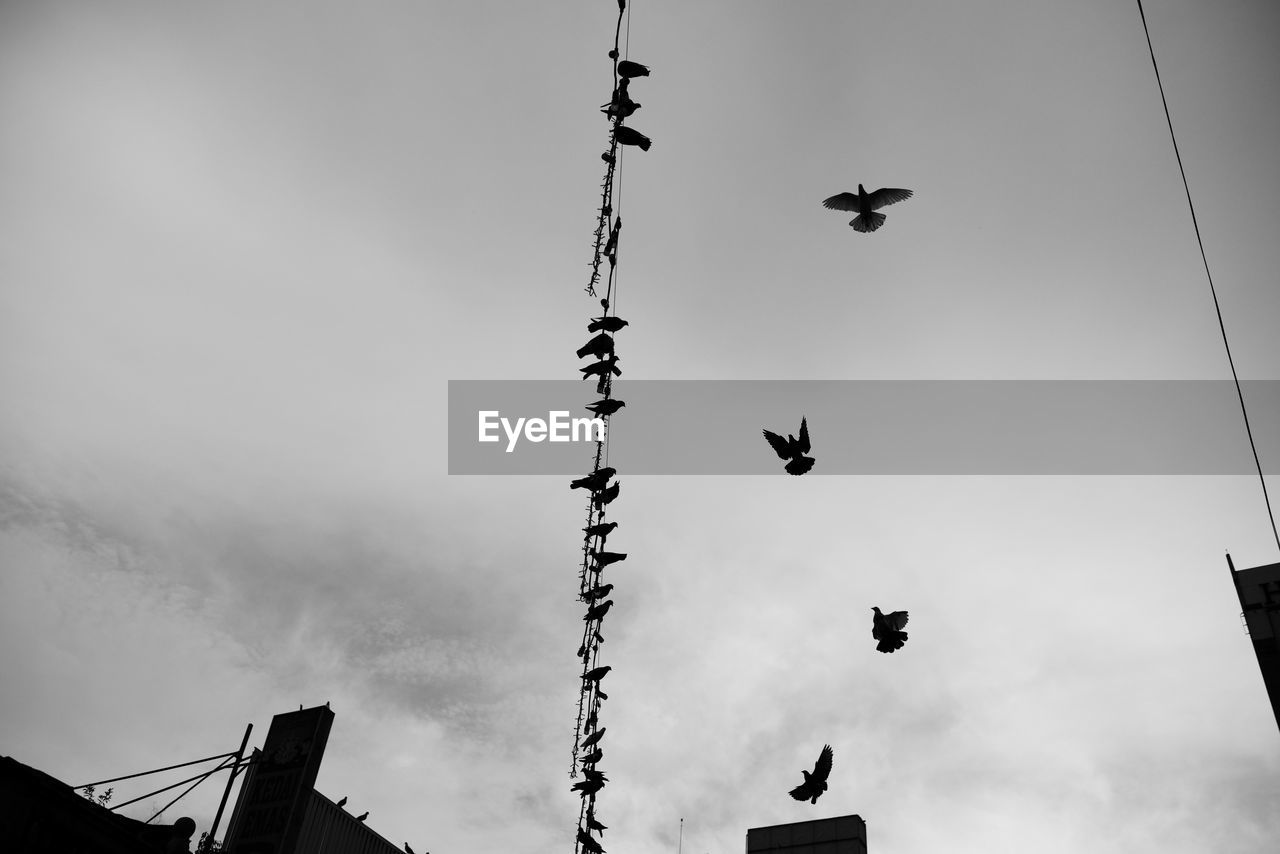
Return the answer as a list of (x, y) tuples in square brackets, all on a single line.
[(846, 834), (1259, 592)]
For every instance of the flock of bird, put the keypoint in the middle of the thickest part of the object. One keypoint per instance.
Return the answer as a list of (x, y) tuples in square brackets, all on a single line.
[(794, 450), (886, 629)]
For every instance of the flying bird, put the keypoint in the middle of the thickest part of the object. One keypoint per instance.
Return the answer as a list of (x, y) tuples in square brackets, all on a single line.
[(605, 408), (887, 629), (816, 783), (627, 68), (341, 803), (597, 612), (630, 136), (792, 449), (362, 816), (866, 205), (594, 481), (608, 324)]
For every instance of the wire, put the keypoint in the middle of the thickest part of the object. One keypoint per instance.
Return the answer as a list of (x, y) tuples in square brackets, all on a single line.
[(1212, 290)]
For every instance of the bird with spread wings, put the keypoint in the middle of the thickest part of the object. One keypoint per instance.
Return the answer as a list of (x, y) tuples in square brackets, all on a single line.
[(816, 783), (792, 449), (866, 204), (887, 629)]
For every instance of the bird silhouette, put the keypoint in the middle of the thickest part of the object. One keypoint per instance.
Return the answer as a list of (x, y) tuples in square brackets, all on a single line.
[(594, 737), (816, 783), (600, 346), (342, 802), (597, 592), (588, 843), (627, 68), (362, 816), (606, 495), (593, 757), (603, 559), (602, 368), (597, 612), (792, 449), (608, 324), (408, 850), (630, 136), (605, 408), (603, 530), (592, 824), (597, 674), (866, 205), (594, 481), (887, 629), (621, 105)]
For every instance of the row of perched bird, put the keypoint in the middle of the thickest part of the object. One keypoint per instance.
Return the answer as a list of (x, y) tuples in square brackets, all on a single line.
[(593, 591)]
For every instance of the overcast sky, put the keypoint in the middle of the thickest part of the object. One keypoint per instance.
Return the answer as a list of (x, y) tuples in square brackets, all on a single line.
[(244, 246)]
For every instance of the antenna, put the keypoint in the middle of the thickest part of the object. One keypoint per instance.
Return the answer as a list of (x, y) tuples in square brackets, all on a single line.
[(681, 848)]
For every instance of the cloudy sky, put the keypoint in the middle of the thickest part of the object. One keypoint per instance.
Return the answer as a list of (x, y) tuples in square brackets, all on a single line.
[(244, 247)]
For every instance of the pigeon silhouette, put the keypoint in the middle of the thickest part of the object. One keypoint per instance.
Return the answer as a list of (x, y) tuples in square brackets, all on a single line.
[(630, 136), (606, 495), (362, 816), (588, 843), (408, 850), (594, 737), (603, 530), (341, 803), (627, 68), (866, 205), (792, 449), (597, 592), (602, 368), (592, 757), (597, 674), (597, 612), (600, 346), (816, 783), (887, 630), (592, 824), (608, 324), (594, 481), (603, 559), (605, 408)]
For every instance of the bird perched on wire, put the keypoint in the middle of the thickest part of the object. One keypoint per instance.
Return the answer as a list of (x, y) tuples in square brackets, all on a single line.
[(605, 408), (606, 495), (597, 612), (597, 674), (592, 824), (588, 843), (603, 559), (600, 346), (599, 592), (362, 816), (816, 783), (608, 324), (887, 630), (602, 368), (630, 136), (592, 757), (792, 449), (627, 68), (594, 737), (594, 481), (866, 204), (603, 530), (621, 104)]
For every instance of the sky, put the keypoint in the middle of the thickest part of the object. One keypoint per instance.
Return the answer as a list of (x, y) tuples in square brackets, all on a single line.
[(245, 247)]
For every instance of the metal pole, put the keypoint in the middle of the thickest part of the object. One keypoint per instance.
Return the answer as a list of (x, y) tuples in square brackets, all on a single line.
[(231, 778)]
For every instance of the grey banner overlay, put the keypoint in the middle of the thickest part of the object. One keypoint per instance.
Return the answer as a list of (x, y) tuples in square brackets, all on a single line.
[(878, 427)]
